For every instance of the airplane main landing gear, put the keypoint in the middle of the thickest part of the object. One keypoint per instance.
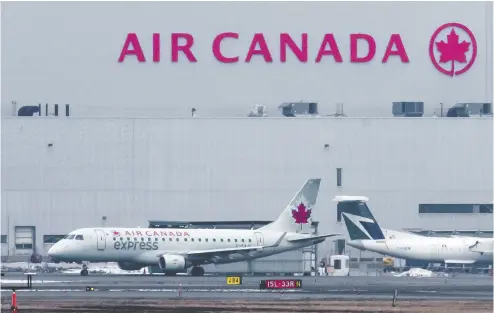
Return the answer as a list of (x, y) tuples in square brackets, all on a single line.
[(84, 271), (197, 271)]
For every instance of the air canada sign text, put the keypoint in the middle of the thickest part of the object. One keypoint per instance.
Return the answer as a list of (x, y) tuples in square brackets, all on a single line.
[(181, 45)]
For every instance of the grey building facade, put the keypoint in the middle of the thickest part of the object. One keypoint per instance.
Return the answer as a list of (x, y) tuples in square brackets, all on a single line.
[(59, 174)]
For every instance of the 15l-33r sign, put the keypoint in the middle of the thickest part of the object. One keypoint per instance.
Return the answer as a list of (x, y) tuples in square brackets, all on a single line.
[(363, 48)]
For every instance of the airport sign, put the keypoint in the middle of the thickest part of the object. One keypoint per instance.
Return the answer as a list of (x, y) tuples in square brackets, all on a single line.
[(234, 280), (281, 284)]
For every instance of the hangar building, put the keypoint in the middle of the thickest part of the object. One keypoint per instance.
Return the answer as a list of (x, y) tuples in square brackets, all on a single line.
[(172, 139)]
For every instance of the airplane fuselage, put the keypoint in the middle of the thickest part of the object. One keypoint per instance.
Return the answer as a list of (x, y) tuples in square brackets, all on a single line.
[(433, 249), (145, 245)]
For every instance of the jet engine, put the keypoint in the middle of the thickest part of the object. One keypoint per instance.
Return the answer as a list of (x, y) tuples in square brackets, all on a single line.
[(172, 263), (130, 266)]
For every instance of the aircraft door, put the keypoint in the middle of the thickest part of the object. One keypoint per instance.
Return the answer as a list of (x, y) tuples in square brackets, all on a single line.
[(259, 239), (100, 239)]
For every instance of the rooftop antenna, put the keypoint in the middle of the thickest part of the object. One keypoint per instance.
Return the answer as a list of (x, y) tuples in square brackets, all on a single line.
[(339, 110)]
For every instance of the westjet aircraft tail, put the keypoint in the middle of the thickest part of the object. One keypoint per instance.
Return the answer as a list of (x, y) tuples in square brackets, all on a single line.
[(299, 211), (359, 221)]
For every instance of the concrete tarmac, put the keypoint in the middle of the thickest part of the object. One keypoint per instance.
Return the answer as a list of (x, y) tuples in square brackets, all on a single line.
[(467, 287)]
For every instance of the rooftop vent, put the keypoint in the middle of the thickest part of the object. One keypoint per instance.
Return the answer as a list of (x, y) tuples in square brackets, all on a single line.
[(258, 111), (470, 109), (292, 109)]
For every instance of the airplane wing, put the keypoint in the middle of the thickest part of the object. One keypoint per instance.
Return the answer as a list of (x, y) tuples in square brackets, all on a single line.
[(298, 238), (218, 255)]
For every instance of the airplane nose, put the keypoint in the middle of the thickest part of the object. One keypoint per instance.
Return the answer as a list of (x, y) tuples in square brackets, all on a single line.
[(55, 250)]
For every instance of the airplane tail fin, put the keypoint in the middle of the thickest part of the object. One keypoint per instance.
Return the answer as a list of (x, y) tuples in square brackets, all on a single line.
[(296, 217), (359, 221)]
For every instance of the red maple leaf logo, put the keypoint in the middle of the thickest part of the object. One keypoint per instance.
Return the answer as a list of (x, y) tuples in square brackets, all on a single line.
[(453, 50), (116, 233), (301, 214)]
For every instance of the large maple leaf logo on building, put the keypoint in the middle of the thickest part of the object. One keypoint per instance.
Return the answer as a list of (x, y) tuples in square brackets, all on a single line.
[(453, 50), (301, 214)]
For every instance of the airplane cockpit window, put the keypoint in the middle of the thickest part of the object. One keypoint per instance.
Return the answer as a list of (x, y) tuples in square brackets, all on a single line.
[(70, 237), (79, 237)]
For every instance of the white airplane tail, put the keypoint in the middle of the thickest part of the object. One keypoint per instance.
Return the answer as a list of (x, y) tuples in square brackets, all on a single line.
[(296, 217)]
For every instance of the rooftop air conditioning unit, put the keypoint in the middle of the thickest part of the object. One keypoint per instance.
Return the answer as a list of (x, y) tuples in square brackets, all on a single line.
[(408, 109), (258, 111)]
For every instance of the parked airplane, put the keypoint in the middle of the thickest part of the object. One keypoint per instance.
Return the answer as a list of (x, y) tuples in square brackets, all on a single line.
[(365, 234), (175, 250)]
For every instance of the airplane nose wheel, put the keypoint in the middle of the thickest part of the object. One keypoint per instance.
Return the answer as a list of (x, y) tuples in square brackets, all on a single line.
[(197, 271)]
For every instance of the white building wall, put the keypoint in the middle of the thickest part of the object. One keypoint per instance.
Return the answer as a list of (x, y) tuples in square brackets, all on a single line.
[(134, 170)]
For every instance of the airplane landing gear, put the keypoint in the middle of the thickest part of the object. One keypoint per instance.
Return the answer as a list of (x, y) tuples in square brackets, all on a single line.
[(84, 271), (197, 271)]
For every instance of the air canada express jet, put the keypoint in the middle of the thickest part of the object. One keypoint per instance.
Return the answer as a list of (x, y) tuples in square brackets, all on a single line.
[(175, 250), (365, 234)]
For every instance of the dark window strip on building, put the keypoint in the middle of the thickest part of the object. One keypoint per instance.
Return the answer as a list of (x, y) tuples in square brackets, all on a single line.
[(52, 238), (455, 208)]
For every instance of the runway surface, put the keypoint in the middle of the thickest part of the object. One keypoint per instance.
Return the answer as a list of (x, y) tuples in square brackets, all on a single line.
[(467, 287)]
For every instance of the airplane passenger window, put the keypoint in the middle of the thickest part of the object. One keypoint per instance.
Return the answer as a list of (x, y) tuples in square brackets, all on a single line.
[(177, 239), (135, 239), (214, 240), (121, 239), (199, 239), (149, 238), (185, 239), (163, 239), (228, 240), (79, 237), (206, 239), (192, 239), (142, 238), (169, 239), (114, 238), (235, 240), (250, 240), (242, 240), (128, 239), (155, 239), (221, 239)]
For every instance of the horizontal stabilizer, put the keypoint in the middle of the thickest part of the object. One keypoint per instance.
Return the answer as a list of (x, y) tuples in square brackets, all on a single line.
[(459, 261), (299, 238)]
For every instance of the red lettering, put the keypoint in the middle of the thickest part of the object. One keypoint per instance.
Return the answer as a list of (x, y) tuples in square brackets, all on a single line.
[(148, 233), (179, 233), (185, 49), (400, 51), (300, 53), (333, 49), (354, 50), (138, 233), (186, 234), (135, 50), (156, 233), (263, 48), (171, 234), (217, 48), (163, 233), (156, 47)]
